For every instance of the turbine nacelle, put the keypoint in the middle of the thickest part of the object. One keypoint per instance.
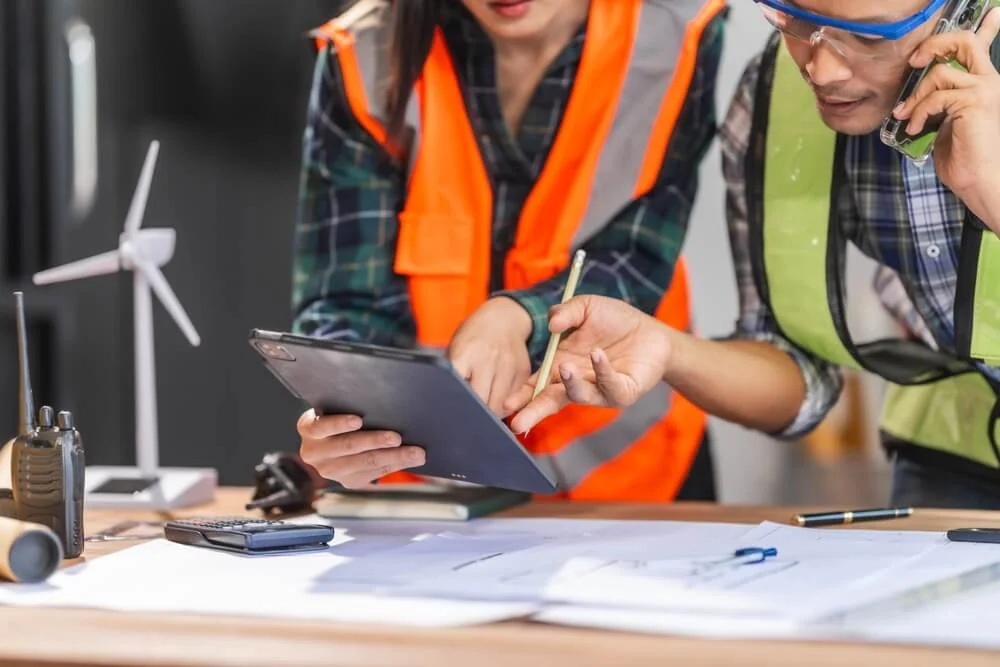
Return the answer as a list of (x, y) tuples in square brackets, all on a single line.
[(141, 251), (155, 246)]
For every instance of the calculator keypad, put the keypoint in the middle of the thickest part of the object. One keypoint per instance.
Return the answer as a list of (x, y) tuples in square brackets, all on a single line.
[(229, 523)]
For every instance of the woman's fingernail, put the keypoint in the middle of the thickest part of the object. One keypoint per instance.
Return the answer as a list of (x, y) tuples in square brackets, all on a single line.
[(596, 356), (565, 374)]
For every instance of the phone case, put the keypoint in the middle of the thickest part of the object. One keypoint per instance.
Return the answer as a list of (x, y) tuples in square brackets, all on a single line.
[(961, 15)]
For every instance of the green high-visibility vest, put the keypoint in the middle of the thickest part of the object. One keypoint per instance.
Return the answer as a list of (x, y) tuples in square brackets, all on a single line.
[(794, 169)]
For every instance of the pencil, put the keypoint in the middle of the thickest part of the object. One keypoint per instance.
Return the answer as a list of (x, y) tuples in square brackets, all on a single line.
[(550, 351)]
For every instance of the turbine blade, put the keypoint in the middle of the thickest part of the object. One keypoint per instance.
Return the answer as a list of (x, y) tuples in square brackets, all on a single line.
[(166, 295), (98, 265), (138, 206)]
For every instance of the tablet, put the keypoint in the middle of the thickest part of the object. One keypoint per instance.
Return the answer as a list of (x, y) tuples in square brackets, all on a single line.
[(414, 393)]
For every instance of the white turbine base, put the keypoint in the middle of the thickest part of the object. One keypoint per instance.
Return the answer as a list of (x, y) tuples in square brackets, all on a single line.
[(175, 488)]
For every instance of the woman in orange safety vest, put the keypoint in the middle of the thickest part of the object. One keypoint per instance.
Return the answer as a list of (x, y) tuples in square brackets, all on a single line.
[(456, 155)]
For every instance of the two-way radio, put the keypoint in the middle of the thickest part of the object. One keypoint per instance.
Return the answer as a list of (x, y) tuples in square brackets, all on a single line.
[(47, 464)]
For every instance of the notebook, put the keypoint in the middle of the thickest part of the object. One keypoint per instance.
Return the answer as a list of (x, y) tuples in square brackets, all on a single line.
[(417, 501)]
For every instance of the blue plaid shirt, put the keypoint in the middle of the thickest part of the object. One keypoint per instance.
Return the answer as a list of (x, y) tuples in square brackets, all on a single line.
[(913, 234)]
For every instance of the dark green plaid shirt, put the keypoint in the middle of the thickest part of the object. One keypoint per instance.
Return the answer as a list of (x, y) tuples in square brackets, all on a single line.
[(351, 193)]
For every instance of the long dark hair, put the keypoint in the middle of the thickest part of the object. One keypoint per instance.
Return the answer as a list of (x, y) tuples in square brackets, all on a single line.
[(412, 25)]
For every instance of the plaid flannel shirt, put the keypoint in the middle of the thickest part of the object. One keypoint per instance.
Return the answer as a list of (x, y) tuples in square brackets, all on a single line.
[(914, 238), (351, 192)]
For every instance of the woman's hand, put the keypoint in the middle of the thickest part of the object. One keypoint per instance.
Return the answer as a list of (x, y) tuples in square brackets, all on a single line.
[(490, 350), (614, 355), (967, 148), (339, 450)]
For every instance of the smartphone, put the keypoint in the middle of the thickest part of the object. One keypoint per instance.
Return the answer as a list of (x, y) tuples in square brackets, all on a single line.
[(958, 15), (991, 535)]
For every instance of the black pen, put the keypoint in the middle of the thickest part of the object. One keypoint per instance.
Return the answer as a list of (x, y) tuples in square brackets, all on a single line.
[(852, 516)]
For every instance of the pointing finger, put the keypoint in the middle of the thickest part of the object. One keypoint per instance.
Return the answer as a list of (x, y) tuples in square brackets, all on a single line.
[(552, 399)]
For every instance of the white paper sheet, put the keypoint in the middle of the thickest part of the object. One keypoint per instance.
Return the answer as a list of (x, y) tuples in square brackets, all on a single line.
[(860, 585), (386, 563), (625, 575), (825, 563), (161, 576), (968, 620), (515, 560)]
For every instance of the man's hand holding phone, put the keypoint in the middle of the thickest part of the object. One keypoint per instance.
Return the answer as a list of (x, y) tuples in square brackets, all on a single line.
[(967, 102)]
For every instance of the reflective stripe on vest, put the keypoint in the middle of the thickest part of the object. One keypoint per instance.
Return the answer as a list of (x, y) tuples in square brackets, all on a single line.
[(793, 266), (636, 67), (570, 465)]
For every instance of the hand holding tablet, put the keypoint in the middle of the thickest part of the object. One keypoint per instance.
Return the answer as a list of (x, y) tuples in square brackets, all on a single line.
[(341, 448), (414, 395)]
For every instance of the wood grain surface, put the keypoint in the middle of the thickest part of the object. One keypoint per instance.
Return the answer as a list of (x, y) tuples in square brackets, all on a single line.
[(84, 637)]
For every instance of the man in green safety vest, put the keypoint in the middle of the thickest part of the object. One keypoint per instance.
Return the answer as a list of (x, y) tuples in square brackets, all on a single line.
[(810, 166)]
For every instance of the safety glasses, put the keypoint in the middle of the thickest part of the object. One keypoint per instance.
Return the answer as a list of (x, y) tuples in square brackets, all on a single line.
[(853, 40)]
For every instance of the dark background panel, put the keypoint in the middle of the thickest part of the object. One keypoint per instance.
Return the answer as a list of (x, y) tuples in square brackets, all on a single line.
[(223, 86)]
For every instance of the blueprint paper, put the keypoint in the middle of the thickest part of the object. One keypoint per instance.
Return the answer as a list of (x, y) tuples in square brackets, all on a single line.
[(848, 585), (383, 560), (646, 576), (514, 560), (968, 620)]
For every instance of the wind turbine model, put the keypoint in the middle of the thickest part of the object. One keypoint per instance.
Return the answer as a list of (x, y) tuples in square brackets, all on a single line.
[(143, 252)]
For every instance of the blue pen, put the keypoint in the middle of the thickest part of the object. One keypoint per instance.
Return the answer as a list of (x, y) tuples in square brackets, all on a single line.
[(758, 554), (743, 556)]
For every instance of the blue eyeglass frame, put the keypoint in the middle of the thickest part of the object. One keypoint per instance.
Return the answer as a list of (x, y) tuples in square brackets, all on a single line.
[(891, 31)]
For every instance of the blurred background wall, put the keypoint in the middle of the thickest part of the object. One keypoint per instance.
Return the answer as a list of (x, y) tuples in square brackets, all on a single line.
[(223, 86)]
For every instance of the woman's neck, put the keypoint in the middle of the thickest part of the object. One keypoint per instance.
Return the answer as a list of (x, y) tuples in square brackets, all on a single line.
[(521, 63)]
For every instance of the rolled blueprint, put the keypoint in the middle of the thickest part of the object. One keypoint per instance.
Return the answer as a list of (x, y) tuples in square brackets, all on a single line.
[(29, 552)]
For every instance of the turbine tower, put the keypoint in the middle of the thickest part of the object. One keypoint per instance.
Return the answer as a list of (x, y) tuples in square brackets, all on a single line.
[(143, 252)]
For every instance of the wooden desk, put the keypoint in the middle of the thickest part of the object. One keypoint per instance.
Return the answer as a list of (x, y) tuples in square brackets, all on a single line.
[(83, 637)]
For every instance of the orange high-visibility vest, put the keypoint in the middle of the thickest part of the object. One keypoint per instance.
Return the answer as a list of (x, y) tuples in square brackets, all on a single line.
[(635, 71)]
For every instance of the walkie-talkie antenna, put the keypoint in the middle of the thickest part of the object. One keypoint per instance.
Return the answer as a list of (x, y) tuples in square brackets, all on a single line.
[(26, 421)]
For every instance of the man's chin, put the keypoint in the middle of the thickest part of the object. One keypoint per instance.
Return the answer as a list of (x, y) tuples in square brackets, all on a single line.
[(859, 119)]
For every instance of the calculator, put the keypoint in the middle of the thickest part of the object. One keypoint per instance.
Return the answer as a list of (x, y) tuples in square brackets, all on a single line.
[(247, 535)]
